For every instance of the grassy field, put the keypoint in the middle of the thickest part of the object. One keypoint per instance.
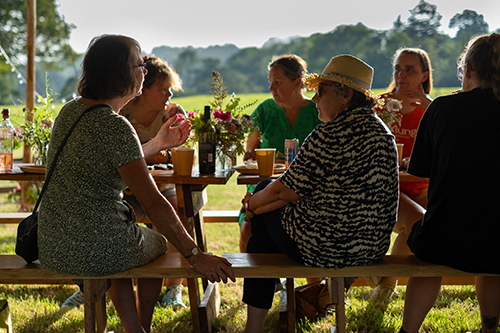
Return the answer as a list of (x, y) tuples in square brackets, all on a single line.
[(36, 308)]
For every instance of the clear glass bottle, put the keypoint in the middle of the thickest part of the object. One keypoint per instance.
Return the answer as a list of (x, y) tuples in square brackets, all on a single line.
[(206, 144), (6, 142)]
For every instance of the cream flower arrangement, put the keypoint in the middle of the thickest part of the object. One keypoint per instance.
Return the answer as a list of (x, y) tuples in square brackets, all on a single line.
[(390, 111)]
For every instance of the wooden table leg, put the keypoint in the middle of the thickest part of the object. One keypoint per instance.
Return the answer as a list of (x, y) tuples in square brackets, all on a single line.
[(185, 204), (94, 292), (337, 295), (290, 291), (194, 301), (189, 204)]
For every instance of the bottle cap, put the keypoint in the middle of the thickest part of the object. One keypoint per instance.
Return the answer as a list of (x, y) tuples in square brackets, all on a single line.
[(5, 113)]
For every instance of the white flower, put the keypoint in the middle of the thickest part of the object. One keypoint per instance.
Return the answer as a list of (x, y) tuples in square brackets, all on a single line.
[(393, 105)]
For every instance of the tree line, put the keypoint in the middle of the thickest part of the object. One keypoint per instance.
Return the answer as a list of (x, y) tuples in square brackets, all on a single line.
[(244, 70)]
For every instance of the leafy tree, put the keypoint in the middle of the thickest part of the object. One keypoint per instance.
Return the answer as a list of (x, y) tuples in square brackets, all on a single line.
[(186, 65), (469, 23), (424, 19), (398, 25), (52, 32)]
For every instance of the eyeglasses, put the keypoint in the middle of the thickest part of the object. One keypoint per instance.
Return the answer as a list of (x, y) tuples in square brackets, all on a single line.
[(460, 72), (143, 67)]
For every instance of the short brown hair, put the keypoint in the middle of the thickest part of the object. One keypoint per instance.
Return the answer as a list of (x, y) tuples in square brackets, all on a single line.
[(107, 70), (294, 66), (158, 69)]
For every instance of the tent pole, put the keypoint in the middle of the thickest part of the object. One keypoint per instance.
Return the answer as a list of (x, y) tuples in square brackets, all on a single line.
[(30, 69)]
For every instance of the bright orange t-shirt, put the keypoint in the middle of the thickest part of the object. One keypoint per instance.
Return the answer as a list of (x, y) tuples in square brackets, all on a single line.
[(405, 134)]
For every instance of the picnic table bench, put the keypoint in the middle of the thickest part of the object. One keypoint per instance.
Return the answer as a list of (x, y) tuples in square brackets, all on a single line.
[(13, 269)]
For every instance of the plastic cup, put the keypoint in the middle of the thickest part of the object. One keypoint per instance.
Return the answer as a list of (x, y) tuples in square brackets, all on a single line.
[(400, 153), (185, 157), (265, 161)]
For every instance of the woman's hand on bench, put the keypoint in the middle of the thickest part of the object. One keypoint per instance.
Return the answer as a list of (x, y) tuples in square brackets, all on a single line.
[(214, 268)]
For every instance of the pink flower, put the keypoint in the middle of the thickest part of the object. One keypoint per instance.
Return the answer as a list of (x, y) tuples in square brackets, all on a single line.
[(222, 116), (218, 114), (180, 118), (191, 115)]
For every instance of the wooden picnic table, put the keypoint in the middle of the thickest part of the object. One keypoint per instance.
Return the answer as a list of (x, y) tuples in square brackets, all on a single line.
[(251, 179), (191, 197), (18, 175)]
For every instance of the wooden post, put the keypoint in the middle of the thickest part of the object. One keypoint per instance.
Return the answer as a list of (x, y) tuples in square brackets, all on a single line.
[(30, 86), (30, 69)]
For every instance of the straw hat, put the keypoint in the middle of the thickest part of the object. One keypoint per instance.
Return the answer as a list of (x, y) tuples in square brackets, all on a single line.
[(347, 70)]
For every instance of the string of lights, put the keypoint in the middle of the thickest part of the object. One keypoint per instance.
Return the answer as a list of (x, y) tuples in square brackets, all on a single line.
[(13, 67)]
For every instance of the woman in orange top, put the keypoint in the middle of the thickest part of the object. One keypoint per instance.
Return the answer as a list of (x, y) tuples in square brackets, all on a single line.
[(411, 85)]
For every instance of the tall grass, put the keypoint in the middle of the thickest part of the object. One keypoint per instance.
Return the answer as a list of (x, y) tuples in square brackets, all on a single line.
[(36, 308)]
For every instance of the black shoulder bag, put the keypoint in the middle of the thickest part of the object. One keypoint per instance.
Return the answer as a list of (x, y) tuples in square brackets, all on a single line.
[(27, 231)]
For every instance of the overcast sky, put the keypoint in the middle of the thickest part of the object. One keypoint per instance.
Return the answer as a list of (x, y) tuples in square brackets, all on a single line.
[(203, 23)]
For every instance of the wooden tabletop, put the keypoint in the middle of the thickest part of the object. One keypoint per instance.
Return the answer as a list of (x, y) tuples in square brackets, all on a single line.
[(250, 179), (19, 175), (245, 179), (160, 176), (169, 177)]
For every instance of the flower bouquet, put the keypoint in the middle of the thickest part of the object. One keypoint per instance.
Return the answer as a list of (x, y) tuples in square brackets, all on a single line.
[(390, 114), (36, 133), (231, 125)]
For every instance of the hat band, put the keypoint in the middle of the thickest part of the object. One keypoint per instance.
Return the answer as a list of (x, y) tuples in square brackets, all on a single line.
[(360, 83)]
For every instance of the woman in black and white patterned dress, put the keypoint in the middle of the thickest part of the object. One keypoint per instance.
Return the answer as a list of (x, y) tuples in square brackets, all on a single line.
[(336, 205)]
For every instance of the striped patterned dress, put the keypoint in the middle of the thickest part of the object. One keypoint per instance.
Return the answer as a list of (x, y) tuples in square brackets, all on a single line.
[(346, 173)]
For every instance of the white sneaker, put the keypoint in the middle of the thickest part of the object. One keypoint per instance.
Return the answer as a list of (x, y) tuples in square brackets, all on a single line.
[(73, 301), (173, 297)]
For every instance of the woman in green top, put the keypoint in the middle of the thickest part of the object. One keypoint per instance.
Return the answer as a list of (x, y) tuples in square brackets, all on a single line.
[(288, 115)]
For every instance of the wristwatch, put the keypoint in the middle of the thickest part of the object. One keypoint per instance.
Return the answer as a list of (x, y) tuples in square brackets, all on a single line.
[(193, 252)]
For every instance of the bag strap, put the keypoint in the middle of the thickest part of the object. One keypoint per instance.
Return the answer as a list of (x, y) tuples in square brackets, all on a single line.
[(49, 174)]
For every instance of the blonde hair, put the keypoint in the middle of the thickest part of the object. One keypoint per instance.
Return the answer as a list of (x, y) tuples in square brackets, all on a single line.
[(482, 53)]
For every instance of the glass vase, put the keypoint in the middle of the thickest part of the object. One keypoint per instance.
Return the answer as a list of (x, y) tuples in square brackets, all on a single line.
[(224, 158), (40, 155)]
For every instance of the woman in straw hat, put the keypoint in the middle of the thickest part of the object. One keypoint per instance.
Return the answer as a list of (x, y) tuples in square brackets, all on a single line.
[(460, 231), (336, 204)]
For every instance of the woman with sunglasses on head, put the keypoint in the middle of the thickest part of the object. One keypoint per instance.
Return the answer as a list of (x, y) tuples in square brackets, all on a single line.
[(85, 226), (456, 149), (411, 84)]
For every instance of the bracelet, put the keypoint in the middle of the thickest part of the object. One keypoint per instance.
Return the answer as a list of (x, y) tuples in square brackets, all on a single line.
[(169, 156)]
